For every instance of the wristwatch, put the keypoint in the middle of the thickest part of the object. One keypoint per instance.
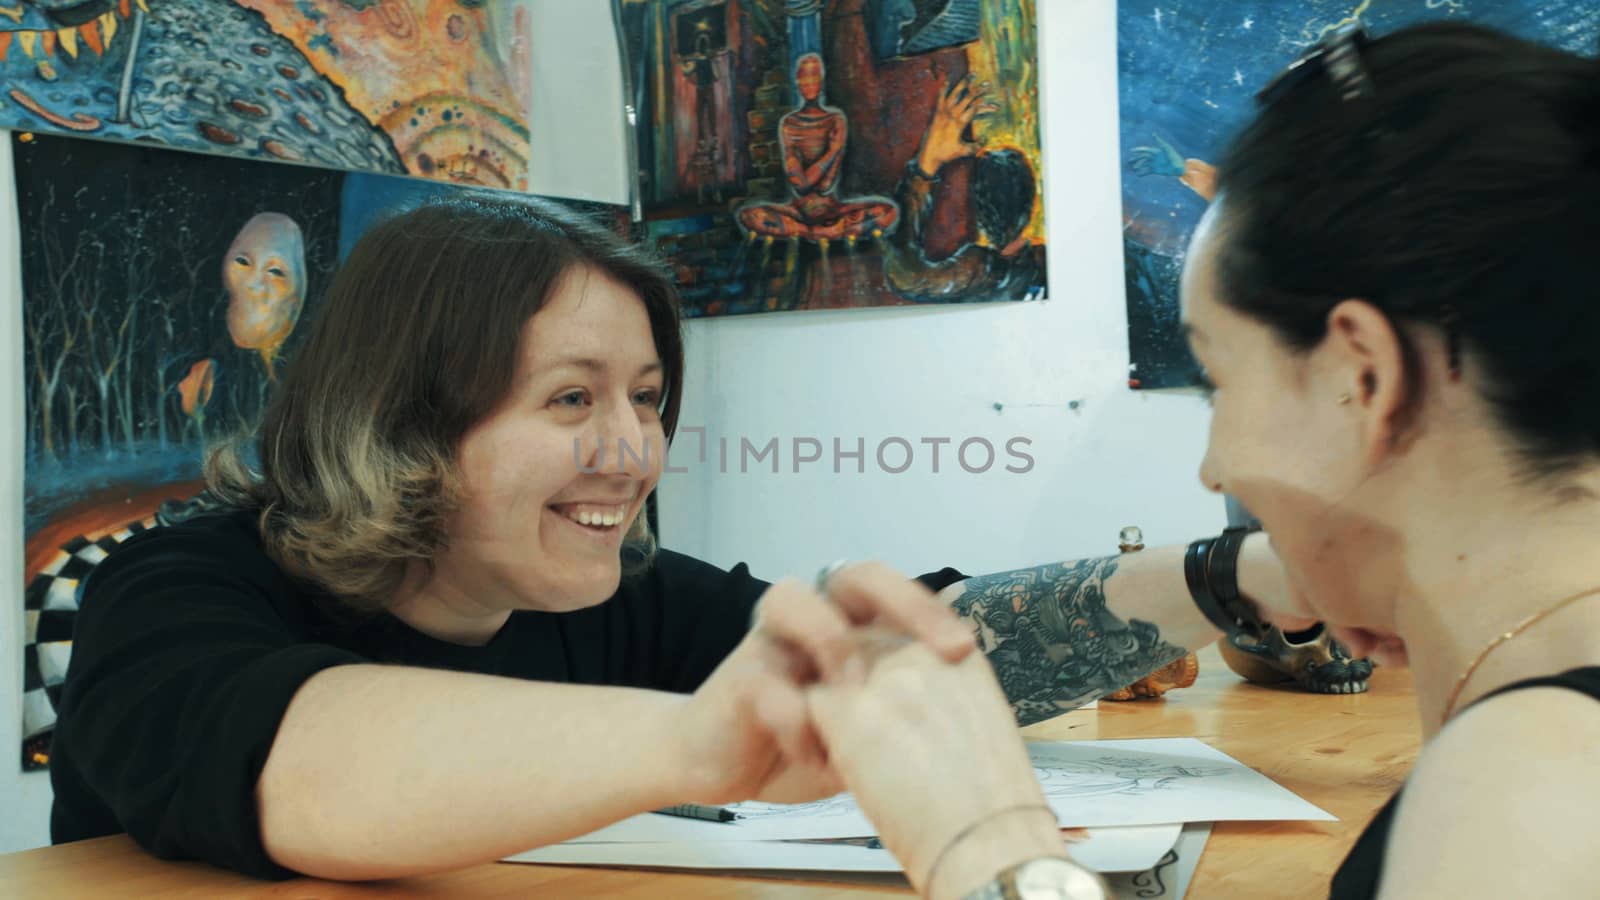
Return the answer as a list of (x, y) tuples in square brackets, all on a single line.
[(1045, 878)]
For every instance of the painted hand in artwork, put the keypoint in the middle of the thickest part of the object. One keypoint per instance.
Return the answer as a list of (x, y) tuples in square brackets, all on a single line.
[(961, 101), (1162, 159)]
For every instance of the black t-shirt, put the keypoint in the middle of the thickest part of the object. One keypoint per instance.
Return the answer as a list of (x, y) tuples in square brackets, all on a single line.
[(1361, 872), (190, 643)]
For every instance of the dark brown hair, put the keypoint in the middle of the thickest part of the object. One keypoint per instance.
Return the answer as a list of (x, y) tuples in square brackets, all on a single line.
[(1462, 195), (417, 341)]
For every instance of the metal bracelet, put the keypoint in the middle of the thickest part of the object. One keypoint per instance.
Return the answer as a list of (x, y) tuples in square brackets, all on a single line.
[(973, 826)]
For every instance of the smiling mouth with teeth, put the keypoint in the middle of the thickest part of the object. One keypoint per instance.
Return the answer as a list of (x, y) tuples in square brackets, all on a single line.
[(597, 517)]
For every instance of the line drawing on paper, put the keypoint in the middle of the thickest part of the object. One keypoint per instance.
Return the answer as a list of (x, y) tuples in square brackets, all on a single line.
[(1117, 775), (1099, 776), (837, 805)]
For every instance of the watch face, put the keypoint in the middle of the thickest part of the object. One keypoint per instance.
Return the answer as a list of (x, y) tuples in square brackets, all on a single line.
[(1056, 879)]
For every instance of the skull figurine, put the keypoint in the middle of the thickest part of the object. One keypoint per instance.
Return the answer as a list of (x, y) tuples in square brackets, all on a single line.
[(1310, 658)]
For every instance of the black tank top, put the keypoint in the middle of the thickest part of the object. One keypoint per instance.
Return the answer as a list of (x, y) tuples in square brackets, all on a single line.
[(1358, 876)]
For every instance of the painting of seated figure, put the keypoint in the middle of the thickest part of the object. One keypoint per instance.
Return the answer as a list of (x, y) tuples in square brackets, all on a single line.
[(803, 154)]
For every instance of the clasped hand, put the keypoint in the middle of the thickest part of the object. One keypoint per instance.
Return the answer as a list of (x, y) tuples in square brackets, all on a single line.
[(876, 687)]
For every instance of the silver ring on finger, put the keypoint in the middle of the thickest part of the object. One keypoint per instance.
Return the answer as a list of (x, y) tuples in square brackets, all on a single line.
[(826, 573)]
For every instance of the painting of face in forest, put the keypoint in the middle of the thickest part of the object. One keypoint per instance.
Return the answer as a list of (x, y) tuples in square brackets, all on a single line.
[(161, 292), (265, 273), (161, 297), (797, 154)]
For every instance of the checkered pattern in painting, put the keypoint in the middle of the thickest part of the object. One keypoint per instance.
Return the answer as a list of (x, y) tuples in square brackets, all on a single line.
[(50, 604)]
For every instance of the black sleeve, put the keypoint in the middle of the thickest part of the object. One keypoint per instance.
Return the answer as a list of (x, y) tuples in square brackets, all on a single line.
[(938, 581), (181, 671), (706, 613)]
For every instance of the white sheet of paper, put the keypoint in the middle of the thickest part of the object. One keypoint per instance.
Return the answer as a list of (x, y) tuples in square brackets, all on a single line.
[(1170, 877), (1104, 850), (1090, 784), (1094, 784)]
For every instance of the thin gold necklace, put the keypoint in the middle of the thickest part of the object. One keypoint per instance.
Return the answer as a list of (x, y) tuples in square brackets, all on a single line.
[(1522, 626)]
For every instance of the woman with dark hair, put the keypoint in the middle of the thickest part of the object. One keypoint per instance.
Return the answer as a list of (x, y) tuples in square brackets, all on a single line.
[(1395, 296), (429, 628)]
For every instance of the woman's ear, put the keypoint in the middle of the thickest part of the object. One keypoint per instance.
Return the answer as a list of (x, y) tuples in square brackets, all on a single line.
[(1370, 360)]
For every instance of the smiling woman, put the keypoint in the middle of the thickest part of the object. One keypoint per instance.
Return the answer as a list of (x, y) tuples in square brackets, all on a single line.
[(421, 378), (589, 377), (437, 566)]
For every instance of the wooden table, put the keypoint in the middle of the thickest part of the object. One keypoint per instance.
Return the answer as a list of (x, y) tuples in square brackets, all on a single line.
[(1347, 754)]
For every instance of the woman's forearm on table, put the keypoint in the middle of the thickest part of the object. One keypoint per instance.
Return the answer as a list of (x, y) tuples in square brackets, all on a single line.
[(1062, 634), (383, 771)]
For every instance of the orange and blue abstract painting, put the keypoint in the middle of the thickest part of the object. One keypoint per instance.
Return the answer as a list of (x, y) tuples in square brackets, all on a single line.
[(433, 88), (1189, 71)]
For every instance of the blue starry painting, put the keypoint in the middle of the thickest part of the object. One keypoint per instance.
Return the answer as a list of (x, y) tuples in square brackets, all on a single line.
[(1189, 71)]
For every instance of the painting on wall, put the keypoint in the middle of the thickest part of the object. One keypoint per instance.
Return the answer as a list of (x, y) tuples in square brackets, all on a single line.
[(1189, 72), (433, 88), (802, 154), (163, 294)]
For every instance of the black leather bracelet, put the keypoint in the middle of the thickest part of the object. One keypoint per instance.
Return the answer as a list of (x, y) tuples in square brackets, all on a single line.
[(1211, 568), (1222, 571), (1194, 572)]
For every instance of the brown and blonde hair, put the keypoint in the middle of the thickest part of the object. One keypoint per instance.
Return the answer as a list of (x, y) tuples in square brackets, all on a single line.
[(417, 341)]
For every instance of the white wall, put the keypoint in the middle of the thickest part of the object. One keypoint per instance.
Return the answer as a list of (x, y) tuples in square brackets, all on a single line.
[(1121, 459), (576, 124)]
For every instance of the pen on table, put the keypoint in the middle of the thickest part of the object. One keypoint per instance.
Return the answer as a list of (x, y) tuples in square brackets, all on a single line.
[(697, 811)]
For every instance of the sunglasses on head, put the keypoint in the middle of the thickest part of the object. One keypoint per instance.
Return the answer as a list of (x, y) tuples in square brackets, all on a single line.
[(1338, 55)]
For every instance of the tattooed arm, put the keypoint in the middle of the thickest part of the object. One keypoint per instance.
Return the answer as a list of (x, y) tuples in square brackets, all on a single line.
[(1061, 634)]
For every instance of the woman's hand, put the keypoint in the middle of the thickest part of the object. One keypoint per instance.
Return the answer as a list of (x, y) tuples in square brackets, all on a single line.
[(1263, 579), (822, 630), (930, 749), (746, 733), (1383, 649)]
